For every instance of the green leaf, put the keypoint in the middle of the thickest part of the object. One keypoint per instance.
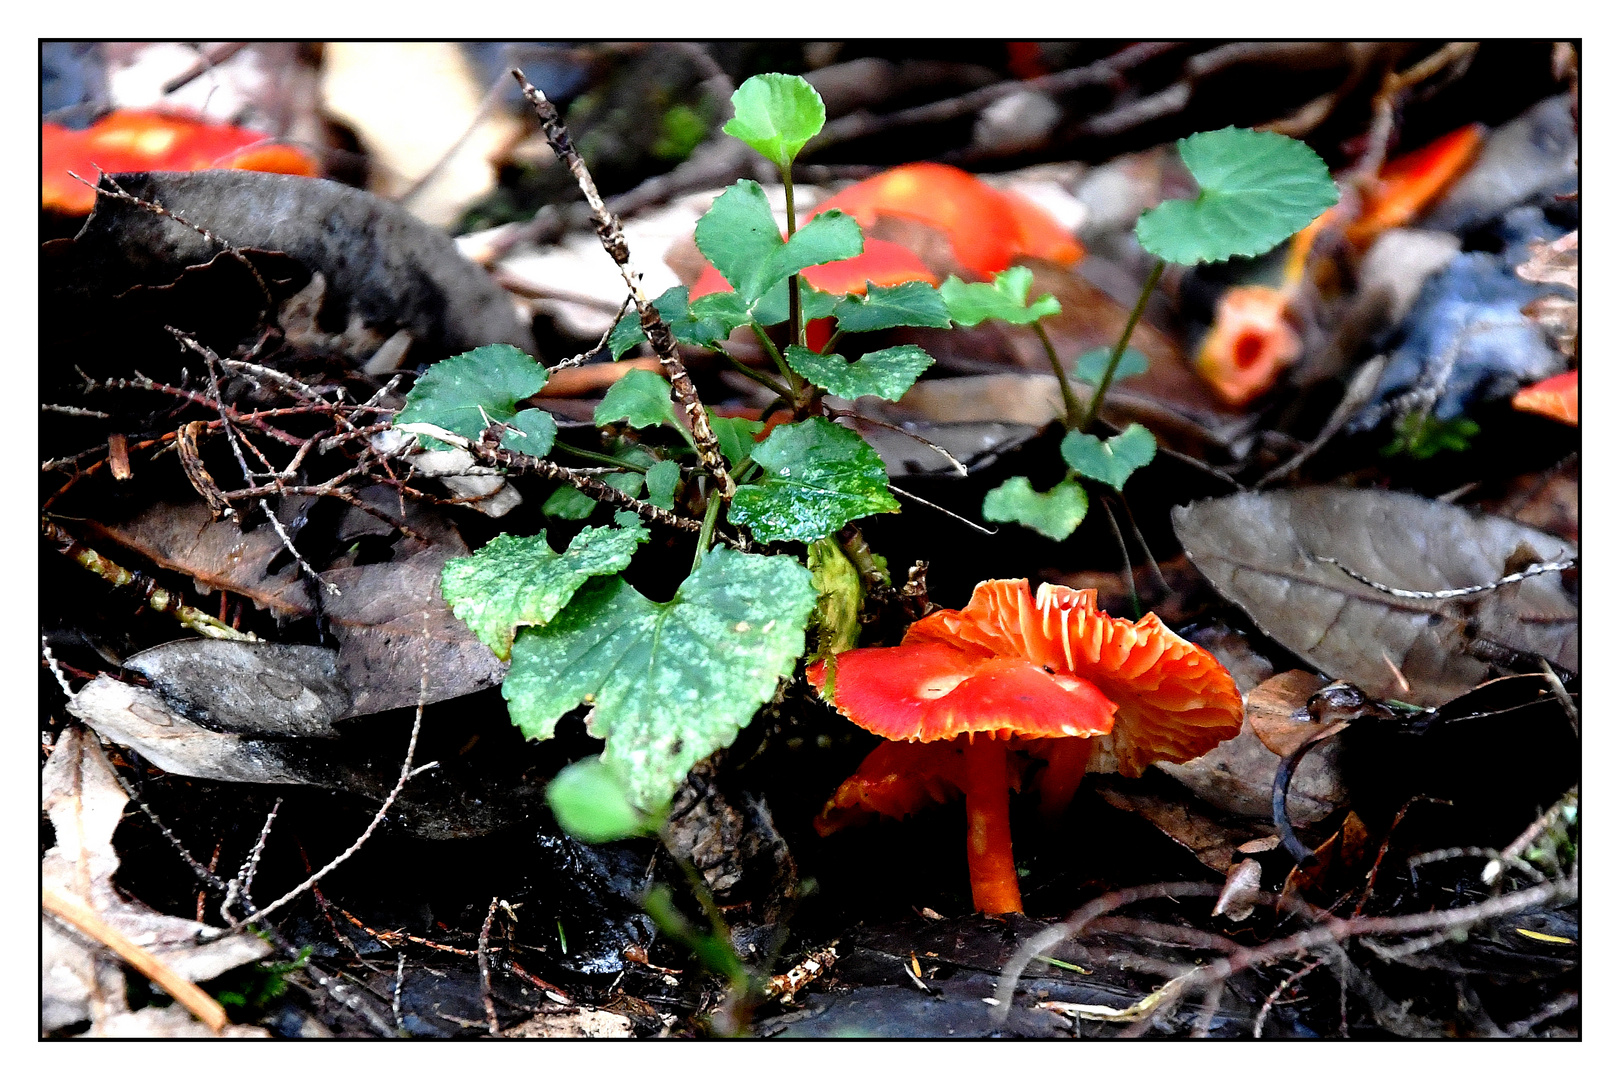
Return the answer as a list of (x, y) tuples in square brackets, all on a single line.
[(591, 801), (735, 436), (662, 479), (724, 310), (739, 237), (692, 325), (640, 399), (1054, 514), (570, 504), (887, 373), (1003, 298), (911, 303), (1111, 461), (776, 115), (1256, 189), (671, 683), (817, 478), (838, 598), (1091, 364), (520, 581), (464, 393), (539, 433)]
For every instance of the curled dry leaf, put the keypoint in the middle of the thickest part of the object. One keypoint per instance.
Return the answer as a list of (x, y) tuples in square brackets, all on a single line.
[(79, 981), (1262, 552), (389, 268)]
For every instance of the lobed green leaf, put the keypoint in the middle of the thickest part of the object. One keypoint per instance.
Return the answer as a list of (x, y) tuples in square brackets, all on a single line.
[(1110, 461), (911, 303), (640, 399), (776, 115), (1255, 190), (817, 478), (692, 324), (739, 237), (464, 393), (970, 304), (520, 581), (670, 683), (1054, 514), (887, 373)]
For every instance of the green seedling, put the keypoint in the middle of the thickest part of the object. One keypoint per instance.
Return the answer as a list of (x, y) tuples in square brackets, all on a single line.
[(1256, 189)]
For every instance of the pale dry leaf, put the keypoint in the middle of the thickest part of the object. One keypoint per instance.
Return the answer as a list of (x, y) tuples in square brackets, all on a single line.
[(81, 980)]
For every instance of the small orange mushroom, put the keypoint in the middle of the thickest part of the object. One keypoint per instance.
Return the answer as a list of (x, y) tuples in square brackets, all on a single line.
[(1037, 678), (1558, 397), (136, 141), (1412, 182), (1249, 344)]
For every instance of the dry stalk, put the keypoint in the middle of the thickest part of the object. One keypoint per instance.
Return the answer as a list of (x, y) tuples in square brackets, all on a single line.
[(658, 333)]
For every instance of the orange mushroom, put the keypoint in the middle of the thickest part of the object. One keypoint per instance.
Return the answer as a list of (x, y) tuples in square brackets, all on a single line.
[(134, 141), (1558, 397), (1412, 182), (987, 228), (1249, 344), (1043, 678)]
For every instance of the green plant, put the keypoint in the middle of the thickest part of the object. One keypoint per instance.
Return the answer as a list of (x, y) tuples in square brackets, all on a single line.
[(774, 518), (1255, 190)]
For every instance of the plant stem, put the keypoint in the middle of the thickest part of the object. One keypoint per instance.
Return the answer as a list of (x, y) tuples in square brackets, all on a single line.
[(1072, 410), (710, 516), (793, 280), (1119, 346), (764, 380), (776, 354), (826, 350), (1130, 575), (592, 455)]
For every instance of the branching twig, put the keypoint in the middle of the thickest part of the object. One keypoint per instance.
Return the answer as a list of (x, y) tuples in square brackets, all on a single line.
[(483, 967), (658, 333)]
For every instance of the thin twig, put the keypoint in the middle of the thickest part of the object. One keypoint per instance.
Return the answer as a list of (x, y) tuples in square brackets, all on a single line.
[(1449, 594), (974, 525), (483, 967), (405, 773), (653, 325)]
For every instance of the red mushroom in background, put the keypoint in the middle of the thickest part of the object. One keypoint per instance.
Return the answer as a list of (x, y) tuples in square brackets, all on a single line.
[(973, 699), (987, 228), (1413, 182), (135, 141), (1558, 398), (1250, 343)]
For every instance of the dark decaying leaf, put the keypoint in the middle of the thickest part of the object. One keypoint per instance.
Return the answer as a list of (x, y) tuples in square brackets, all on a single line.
[(386, 266), (248, 687), (1257, 550), (390, 619)]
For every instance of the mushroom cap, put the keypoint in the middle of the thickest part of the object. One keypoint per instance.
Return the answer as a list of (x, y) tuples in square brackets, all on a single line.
[(138, 141), (1412, 182), (1048, 665), (1558, 397), (1249, 344)]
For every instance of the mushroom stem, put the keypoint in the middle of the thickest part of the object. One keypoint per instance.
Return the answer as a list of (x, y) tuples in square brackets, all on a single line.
[(989, 835), (1065, 768)]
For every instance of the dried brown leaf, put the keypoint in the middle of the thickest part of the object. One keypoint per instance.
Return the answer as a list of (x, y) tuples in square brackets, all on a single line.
[(1262, 551)]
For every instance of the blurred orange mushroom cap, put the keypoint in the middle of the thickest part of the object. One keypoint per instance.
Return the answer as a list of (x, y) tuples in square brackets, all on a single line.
[(136, 141), (1249, 344), (1558, 397)]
